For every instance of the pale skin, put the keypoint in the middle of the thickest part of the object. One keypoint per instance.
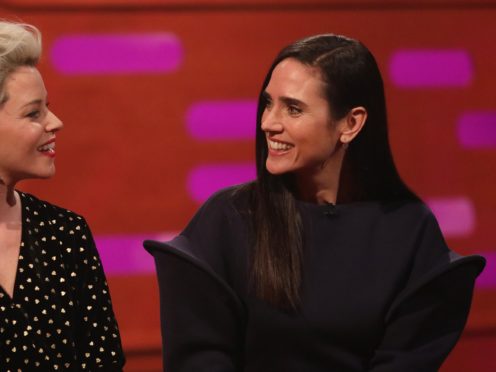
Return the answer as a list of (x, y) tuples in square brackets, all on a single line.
[(27, 138), (302, 137), (10, 237)]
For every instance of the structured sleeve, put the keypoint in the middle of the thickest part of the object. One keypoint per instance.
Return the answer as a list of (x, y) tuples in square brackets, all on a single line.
[(427, 317), (203, 320), (97, 335)]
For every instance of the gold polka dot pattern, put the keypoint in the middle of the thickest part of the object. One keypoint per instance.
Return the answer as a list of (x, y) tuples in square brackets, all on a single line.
[(60, 317)]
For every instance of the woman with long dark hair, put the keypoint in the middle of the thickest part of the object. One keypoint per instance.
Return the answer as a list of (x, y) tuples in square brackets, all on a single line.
[(327, 261)]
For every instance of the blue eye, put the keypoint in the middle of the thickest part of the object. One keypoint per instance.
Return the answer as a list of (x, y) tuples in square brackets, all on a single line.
[(33, 114)]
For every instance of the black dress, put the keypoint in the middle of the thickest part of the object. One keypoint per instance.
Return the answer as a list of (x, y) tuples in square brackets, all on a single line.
[(60, 317), (381, 292)]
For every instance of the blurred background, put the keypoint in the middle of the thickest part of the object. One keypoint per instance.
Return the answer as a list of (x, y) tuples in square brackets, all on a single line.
[(158, 100)]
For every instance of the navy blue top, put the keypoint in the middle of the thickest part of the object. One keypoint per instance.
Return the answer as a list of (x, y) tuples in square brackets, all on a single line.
[(381, 291)]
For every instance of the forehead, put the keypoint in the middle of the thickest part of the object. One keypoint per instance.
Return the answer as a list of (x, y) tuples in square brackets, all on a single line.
[(23, 83), (290, 76)]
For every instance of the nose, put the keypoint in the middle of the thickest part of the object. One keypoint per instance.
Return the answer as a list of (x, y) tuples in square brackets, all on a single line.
[(271, 121), (54, 124)]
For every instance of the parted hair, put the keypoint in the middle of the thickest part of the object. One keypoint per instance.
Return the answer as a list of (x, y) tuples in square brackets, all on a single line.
[(20, 45)]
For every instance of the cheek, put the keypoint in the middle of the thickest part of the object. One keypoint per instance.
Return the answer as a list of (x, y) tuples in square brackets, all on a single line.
[(31, 136), (321, 150), (320, 139)]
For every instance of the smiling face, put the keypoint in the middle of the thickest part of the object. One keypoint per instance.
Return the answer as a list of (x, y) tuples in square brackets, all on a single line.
[(27, 128), (301, 136)]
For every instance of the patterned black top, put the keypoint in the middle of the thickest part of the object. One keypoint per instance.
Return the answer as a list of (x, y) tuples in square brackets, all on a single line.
[(60, 317)]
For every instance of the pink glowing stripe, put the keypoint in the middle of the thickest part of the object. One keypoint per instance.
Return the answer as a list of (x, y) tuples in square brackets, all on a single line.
[(212, 120), (456, 216), (431, 68), (116, 53), (487, 279), (125, 255), (203, 181), (477, 129)]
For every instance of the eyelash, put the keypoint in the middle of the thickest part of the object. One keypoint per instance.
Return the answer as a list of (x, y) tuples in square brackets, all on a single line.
[(294, 111), (36, 113), (33, 114)]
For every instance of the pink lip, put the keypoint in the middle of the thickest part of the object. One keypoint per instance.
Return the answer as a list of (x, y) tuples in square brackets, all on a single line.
[(279, 141), (273, 152), (277, 152), (47, 143), (51, 153)]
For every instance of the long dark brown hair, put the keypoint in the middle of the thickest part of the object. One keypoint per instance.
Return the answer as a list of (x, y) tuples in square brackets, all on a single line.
[(351, 78)]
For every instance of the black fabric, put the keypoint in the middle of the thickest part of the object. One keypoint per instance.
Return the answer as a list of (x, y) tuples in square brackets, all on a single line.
[(60, 317), (208, 326), (381, 291)]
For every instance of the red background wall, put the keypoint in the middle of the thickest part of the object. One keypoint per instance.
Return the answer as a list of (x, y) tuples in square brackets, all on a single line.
[(124, 155)]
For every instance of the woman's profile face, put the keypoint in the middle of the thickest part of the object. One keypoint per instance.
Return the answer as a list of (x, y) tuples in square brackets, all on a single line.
[(301, 136), (27, 128)]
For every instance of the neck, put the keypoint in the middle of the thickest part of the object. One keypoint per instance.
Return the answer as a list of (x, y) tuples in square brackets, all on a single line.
[(8, 198), (320, 185)]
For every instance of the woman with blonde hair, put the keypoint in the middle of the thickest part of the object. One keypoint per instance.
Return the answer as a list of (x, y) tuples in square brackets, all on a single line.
[(55, 307)]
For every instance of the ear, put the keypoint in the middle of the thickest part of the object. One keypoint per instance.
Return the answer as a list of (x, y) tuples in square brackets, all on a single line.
[(352, 124)]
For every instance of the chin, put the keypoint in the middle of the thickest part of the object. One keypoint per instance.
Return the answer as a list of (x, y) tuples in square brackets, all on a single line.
[(276, 171), (271, 169), (49, 173)]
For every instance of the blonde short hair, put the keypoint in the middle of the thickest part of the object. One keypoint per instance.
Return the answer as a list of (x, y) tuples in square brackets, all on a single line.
[(20, 45)]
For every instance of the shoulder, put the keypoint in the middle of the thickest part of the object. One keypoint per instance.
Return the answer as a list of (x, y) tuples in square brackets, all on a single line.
[(406, 210), (218, 228), (404, 235), (413, 227), (32, 203), (430, 244), (430, 256), (230, 197), (224, 206), (63, 234), (50, 214), (406, 219), (398, 221), (412, 244)]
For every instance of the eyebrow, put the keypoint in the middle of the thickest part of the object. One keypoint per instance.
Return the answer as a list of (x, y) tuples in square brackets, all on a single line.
[(288, 101), (292, 101), (33, 102)]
